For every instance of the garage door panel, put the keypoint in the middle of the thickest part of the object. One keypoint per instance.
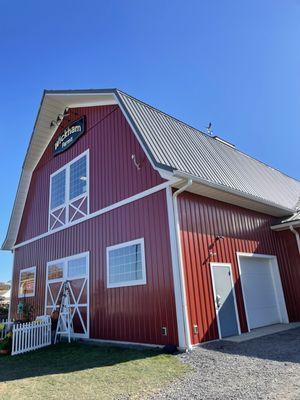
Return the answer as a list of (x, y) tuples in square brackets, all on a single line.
[(259, 292), (260, 317)]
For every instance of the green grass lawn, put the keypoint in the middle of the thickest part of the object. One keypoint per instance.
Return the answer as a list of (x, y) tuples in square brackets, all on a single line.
[(77, 371)]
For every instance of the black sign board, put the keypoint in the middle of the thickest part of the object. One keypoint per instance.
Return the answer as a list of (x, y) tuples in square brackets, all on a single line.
[(69, 136)]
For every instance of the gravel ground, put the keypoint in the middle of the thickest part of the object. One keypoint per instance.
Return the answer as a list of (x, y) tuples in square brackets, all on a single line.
[(263, 368)]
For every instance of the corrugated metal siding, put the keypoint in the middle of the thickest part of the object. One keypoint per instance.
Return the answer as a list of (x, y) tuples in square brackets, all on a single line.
[(178, 145), (113, 176), (203, 219), (136, 313)]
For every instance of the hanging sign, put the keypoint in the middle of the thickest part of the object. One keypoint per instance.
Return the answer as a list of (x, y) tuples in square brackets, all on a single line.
[(69, 136)]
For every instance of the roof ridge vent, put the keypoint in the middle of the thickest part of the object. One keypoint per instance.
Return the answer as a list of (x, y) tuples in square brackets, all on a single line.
[(224, 142)]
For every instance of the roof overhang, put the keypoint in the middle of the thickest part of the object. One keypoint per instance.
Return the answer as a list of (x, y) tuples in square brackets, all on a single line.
[(286, 225), (231, 196)]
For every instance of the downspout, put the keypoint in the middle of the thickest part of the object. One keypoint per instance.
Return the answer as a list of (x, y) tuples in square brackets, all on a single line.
[(296, 233), (180, 260)]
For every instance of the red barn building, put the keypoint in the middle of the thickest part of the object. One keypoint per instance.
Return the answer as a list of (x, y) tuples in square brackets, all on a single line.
[(166, 234)]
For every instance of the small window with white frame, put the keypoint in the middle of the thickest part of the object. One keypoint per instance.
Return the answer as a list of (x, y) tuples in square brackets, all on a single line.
[(126, 264), (69, 192), (27, 282)]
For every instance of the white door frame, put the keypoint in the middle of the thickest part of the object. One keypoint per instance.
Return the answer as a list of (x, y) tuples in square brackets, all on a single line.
[(218, 264), (62, 280), (276, 279)]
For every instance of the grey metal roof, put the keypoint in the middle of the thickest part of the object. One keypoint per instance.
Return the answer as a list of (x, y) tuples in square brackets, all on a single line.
[(174, 144)]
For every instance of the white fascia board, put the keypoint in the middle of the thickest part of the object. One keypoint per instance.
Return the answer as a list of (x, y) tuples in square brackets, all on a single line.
[(285, 226), (196, 179)]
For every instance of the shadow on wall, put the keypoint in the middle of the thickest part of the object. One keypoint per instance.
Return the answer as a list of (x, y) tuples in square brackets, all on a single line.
[(281, 347)]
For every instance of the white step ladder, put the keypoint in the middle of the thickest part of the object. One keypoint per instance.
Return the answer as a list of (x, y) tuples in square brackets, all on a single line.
[(65, 320)]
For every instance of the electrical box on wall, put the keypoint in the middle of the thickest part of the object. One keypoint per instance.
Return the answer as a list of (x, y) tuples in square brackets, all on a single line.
[(164, 331)]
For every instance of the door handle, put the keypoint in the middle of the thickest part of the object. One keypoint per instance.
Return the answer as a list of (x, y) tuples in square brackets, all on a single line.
[(218, 301)]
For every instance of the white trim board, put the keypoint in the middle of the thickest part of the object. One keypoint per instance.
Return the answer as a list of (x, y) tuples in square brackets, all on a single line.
[(120, 343), (216, 264), (280, 300), (99, 212)]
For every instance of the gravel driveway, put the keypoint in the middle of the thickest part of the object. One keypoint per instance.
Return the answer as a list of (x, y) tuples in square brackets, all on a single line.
[(263, 368)]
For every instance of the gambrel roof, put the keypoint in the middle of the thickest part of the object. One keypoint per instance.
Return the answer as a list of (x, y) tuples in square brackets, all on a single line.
[(171, 145)]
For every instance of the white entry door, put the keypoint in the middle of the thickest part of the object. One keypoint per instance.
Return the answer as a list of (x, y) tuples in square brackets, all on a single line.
[(74, 269), (263, 296)]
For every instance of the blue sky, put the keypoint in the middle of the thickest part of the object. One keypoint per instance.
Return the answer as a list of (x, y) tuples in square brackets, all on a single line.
[(233, 62)]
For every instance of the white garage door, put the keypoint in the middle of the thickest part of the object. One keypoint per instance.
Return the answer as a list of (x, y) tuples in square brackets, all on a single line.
[(260, 294)]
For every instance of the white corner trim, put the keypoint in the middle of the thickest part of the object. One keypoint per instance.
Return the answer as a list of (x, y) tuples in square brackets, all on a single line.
[(175, 270), (216, 264), (12, 285), (104, 210), (137, 282), (30, 269), (184, 306)]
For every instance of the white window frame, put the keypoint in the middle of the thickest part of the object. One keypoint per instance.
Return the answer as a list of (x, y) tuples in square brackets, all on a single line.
[(68, 201), (141, 281), (30, 269)]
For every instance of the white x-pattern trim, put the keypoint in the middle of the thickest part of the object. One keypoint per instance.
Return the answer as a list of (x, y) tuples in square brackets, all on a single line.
[(75, 302), (77, 209), (57, 218)]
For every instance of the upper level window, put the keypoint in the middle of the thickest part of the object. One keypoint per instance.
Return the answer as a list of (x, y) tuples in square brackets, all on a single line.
[(78, 178), (69, 192), (58, 189), (126, 264), (27, 282)]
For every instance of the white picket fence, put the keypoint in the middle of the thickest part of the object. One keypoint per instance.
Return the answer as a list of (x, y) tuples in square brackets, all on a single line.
[(31, 336)]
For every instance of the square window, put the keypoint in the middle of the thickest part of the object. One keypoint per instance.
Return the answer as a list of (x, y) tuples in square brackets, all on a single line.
[(126, 264)]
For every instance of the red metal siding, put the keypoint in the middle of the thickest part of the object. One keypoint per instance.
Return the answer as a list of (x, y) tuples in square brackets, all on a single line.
[(203, 219), (113, 176), (136, 313)]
